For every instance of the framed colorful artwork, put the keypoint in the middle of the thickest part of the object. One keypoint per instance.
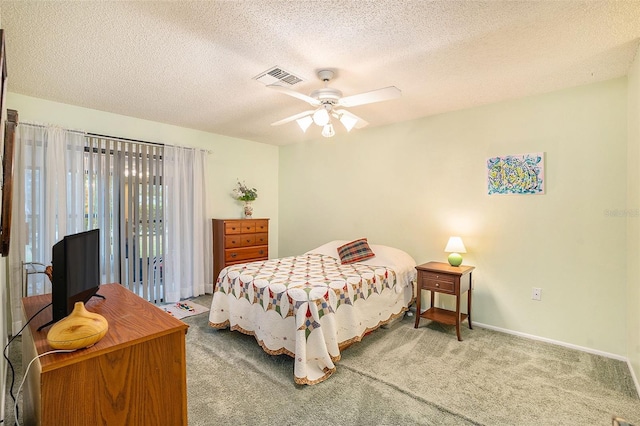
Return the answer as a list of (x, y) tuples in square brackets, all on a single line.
[(516, 174)]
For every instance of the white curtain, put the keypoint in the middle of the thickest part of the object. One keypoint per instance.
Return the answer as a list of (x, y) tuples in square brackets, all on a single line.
[(67, 182), (45, 205), (187, 230)]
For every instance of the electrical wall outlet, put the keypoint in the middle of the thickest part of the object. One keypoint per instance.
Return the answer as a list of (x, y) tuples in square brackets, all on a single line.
[(536, 293)]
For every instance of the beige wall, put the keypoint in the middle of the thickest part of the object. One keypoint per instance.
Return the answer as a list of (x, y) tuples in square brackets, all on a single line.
[(633, 220), (414, 184), (230, 158)]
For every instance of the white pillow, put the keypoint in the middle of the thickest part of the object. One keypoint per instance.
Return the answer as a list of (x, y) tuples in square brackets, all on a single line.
[(384, 255), (396, 259)]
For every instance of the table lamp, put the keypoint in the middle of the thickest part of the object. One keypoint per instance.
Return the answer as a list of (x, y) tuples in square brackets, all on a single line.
[(455, 247)]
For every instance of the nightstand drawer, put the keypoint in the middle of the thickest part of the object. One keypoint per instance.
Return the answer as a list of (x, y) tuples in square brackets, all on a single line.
[(434, 276), (440, 284)]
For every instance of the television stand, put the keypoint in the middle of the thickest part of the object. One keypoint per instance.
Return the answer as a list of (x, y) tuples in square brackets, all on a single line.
[(121, 380)]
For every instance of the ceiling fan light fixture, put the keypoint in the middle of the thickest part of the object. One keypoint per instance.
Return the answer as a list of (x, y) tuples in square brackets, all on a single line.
[(328, 103), (348, 122), (321, 117), (304, 123), (328, 131)]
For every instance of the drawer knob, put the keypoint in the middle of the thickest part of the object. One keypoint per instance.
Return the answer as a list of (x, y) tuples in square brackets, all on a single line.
[(234, 254), (437, 284), (248, 240), (261, 251)]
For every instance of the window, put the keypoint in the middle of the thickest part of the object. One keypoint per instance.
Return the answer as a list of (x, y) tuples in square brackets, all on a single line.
[(110, 184)]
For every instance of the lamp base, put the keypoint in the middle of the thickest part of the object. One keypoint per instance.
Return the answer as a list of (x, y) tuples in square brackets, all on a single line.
[(455, 259)]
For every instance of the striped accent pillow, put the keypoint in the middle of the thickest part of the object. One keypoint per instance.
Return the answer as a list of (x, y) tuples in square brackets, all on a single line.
[(355, 251)]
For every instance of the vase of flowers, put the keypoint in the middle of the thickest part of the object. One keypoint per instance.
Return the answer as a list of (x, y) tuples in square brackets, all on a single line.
[(247, 195), (248, 210)]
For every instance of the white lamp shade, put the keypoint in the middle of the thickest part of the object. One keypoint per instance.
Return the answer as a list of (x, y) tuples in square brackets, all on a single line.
[(321, 116), (328, 131), (348, 122), (455, 245), (304, 123)]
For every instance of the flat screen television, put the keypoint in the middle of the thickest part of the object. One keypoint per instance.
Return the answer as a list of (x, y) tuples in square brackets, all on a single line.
[(76, 271)]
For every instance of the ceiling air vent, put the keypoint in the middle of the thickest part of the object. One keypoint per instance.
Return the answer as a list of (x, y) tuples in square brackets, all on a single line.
[(277, 75)]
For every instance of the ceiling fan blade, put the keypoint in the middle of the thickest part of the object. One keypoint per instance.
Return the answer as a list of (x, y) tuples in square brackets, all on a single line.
[(360, 123), (301, 96), (293, 118), (378, 95)]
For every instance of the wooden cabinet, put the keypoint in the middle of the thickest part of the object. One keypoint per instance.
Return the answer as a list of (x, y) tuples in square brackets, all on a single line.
[(438, 277), (239, 241), (135, 375)]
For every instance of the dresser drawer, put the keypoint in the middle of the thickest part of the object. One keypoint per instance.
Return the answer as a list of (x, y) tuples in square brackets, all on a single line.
[(240, 227), (438, 282), (262, 239), (262, 225), (240, 240), (246, 226), (246, 253), (246, 240)]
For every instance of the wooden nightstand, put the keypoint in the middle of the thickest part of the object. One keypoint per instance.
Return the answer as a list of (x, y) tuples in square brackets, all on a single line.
[(438, 277)]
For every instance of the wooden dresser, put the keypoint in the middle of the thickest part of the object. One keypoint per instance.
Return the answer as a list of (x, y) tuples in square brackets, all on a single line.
[(135, 375), (239, 241)]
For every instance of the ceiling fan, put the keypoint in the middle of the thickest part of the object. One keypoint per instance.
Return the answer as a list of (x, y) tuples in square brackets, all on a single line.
[(329, 103)]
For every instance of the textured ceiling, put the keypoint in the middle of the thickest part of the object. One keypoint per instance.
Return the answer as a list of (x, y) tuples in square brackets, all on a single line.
[(192, 64)]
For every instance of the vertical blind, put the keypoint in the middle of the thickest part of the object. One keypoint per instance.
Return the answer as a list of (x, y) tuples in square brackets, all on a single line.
[(76, 182), (124, 200)]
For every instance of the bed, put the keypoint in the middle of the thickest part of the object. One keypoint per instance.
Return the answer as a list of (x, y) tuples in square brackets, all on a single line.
[(312, 306)]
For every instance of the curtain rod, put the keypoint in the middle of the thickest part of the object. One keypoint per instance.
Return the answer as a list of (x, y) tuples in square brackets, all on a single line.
[(42, 126), (144, 142), (124, 139), (112, 137)]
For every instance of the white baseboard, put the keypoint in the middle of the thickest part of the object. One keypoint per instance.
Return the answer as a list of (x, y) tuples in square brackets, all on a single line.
[(554, 342), (635, 378), (566, 345)]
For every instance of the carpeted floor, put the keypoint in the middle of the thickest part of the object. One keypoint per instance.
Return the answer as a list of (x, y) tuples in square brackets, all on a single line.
[(401, 375)]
